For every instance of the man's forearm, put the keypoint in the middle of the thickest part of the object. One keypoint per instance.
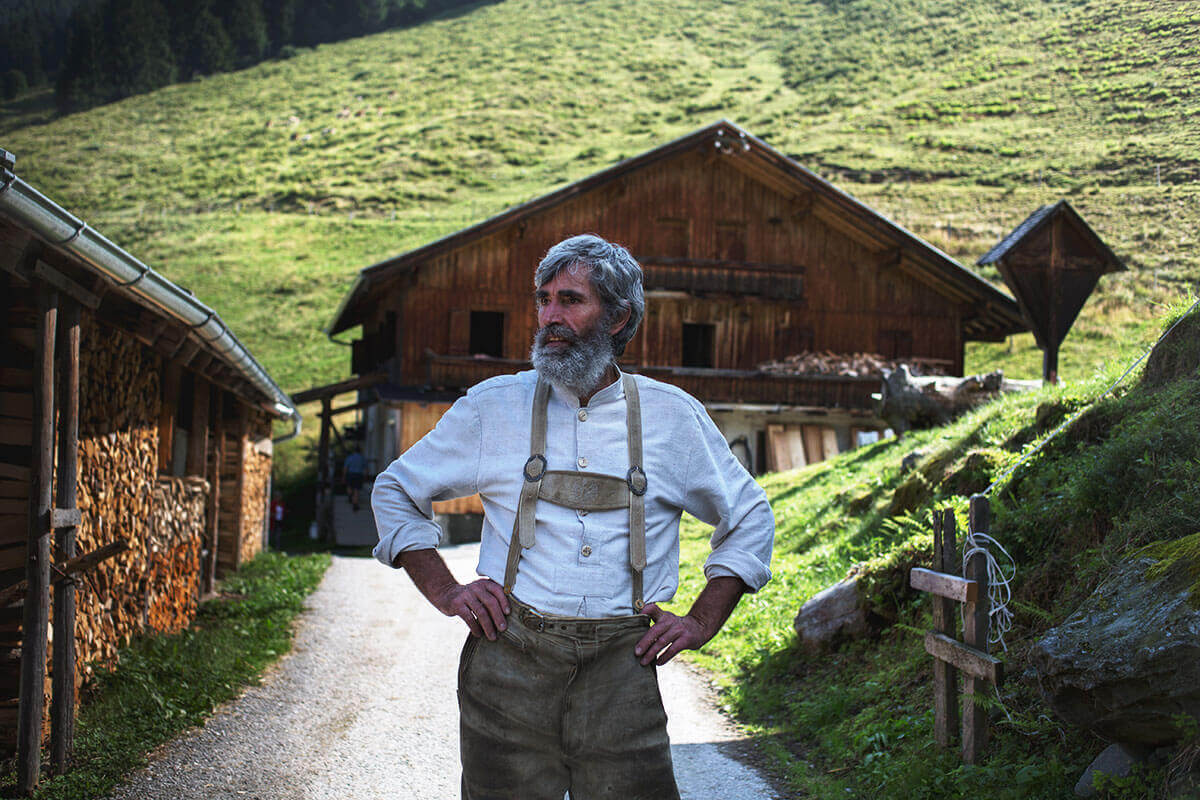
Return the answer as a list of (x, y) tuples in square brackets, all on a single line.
[(716, 602), (429, 573), (481, 604)]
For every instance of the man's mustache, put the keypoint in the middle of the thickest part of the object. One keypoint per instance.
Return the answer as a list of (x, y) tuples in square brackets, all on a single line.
[(557, 331)]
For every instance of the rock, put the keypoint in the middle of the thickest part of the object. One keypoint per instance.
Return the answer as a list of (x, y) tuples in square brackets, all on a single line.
[(907, 401), (832, 614), (1126, 665), (910, 461), (1114, 761)]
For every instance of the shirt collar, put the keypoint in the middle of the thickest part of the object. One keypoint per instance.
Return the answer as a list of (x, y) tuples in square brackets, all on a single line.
[(612, 392)]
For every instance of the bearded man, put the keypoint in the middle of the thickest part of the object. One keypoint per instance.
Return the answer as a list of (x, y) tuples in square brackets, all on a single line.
[(583, 472)]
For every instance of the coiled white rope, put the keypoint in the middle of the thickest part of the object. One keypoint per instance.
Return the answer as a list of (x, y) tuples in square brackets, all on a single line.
[(999, 590)]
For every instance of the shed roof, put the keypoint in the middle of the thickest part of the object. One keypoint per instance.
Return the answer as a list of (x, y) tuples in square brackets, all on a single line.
[(116, 273), (996, 314)]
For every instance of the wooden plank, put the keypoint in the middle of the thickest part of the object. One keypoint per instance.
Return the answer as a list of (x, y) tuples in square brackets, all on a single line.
[(64, 520), (14, 472), (36, 618), (14, 527), (975, 634), (814, 450), (16, 404), (64, 572), (14, 506), (14, 433), (17, 489), (951, 587), (974, 663), (213, 521)]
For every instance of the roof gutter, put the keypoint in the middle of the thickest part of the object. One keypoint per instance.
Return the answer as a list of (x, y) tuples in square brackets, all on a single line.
[(61, 229)]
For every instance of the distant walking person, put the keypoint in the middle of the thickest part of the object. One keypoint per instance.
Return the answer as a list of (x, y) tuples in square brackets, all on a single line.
[(353, 468), (584, 472)]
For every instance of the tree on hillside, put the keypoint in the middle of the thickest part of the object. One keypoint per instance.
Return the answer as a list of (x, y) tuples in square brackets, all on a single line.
[(138, 37), (281, 22), (81, 82), (247, 29), (203, 44)]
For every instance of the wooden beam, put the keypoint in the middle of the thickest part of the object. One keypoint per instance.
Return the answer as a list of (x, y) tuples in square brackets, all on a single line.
[(64, 519), (14, 472), (212, 529), (329, 390), (974, 663), (951, 587), (67, 570), (198, 437), (36, 616), (65, 285), (355, 407)]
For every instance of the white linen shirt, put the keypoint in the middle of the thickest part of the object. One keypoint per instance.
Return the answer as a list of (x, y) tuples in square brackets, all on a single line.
[(579, 565)]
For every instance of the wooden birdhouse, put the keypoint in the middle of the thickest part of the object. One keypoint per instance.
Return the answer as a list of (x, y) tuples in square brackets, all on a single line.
[(1051, 263)]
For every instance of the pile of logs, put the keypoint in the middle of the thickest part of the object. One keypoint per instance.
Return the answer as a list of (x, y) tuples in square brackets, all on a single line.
[(118, 470), (850, 365), (256, 483), (172, 552)]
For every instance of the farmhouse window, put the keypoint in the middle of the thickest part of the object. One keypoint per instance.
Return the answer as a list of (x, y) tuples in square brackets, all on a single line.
[(487, 333), (895, 343), (698, 342)]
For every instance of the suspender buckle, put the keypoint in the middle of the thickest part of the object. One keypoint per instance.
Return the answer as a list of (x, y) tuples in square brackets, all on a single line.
[(531, 470), (637, 481)]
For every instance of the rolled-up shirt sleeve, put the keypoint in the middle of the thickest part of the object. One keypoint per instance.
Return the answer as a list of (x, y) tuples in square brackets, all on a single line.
[(720, 492), (443, 465)]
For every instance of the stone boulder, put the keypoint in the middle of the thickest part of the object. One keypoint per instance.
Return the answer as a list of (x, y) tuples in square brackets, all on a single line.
[(832, 615), (1126, 665)]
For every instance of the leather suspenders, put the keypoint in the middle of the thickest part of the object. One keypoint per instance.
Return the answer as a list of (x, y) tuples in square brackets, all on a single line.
[(582, 491)]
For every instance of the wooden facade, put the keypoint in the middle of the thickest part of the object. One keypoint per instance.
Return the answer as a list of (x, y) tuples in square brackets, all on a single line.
[(143, 410), (747, 257)]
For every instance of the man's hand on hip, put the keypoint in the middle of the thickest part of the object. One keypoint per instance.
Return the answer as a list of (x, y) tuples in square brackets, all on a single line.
[(668, 636), (481, 604), (671, 634)]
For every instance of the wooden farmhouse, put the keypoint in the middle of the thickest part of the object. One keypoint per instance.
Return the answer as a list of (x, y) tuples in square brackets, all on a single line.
[(748, 257), (135, 458)]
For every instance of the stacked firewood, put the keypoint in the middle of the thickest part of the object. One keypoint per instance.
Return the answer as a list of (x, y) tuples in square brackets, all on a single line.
[(118, 468), (849, 365), (256, 483), (172, 552)]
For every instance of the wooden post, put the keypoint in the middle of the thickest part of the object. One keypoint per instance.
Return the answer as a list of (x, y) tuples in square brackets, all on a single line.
[(239, 526), (324, 478), (975, 634), (214, 496), (62, 702), (198, 438), (37, 560), (1054, 302), (945, 676)]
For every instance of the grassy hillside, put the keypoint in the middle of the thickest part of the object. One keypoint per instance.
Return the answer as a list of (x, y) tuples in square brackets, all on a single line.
[(858, 722), (265, 190)]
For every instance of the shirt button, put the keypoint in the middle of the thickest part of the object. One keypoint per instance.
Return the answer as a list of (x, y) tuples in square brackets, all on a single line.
[(582, 415), (582, 462), (586, 550)]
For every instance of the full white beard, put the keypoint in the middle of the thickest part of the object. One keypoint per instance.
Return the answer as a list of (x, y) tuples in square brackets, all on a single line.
[(577, 368)]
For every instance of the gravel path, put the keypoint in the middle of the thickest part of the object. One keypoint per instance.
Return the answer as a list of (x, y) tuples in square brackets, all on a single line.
[(364, 707)]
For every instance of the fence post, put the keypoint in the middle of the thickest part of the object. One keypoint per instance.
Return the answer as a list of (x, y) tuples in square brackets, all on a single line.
[(945, 676), (975, 634)]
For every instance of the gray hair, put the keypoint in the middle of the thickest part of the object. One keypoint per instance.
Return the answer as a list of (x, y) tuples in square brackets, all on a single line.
[(614, 274)]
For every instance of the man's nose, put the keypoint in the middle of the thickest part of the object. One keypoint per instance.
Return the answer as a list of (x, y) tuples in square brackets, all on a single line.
[(551, 312)]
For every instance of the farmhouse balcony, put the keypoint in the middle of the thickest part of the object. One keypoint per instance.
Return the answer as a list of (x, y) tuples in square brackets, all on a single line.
[(751, 387)]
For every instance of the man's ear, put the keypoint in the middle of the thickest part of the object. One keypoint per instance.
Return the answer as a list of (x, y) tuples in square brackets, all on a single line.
[(620, 322)]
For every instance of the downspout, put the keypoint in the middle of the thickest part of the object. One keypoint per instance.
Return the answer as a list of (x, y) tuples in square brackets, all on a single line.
[(62, 230)]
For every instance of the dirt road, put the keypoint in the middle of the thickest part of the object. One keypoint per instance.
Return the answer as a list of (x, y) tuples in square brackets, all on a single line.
[(364, 707)]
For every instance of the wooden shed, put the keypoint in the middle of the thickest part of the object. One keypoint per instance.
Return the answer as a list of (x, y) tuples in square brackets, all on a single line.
[(135, 457), (748, 257)]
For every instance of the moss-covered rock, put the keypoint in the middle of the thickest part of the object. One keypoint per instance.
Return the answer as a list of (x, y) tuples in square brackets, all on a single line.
[(1176, 356), (975, 472)]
